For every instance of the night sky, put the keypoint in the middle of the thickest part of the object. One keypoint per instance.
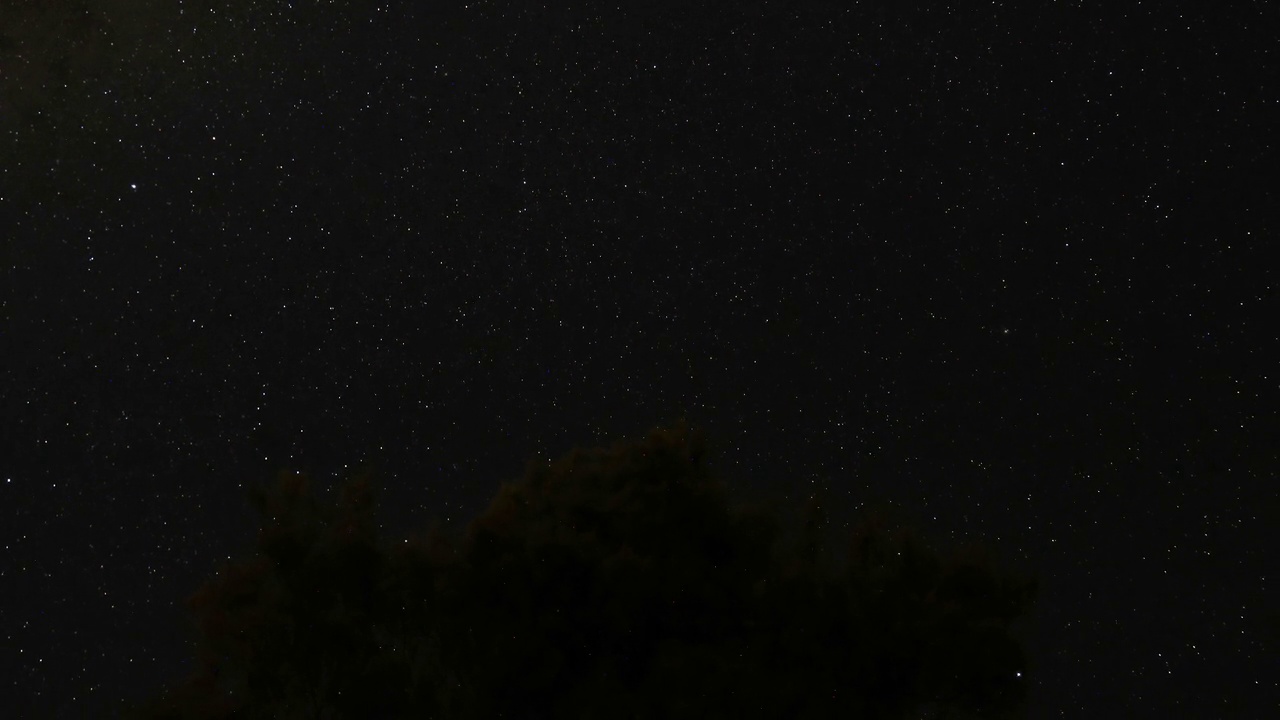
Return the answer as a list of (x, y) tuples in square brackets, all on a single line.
[(1001, 268)]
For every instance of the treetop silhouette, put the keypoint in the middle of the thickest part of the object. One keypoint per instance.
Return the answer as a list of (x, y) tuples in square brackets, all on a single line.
[(619, 582)]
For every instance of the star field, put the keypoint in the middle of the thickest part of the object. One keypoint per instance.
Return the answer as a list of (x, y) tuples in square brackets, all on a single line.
[(1001, 268)]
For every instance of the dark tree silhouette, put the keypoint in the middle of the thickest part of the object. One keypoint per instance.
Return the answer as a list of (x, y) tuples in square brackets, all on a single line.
[(610, 583)]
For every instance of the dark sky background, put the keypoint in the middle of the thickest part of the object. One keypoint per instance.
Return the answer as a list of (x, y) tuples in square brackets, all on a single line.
[(1000, 267)]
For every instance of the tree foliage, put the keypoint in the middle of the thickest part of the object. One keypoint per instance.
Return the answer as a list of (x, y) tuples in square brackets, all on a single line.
[(610, 583)]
